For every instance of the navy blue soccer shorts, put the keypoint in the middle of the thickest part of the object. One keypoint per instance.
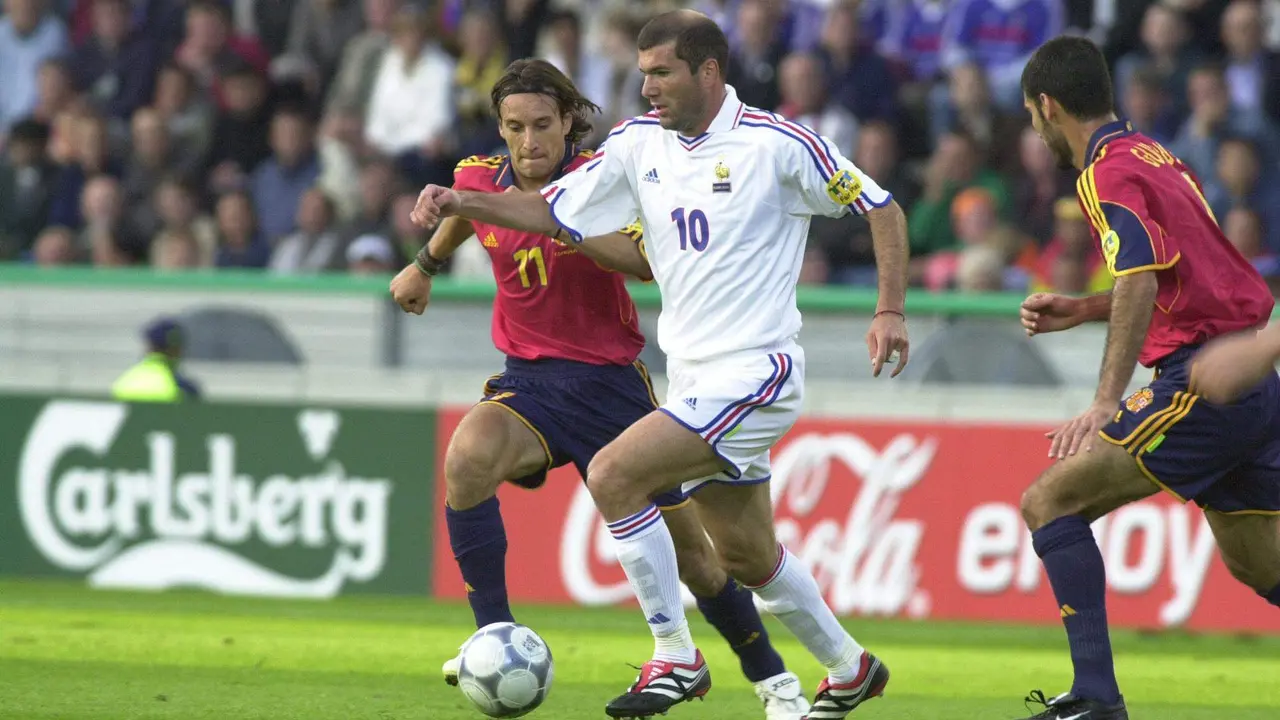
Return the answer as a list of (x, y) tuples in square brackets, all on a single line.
[(1222, 457), (575, 409)]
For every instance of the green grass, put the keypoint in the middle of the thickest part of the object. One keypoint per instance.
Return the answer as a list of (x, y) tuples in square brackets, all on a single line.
[(74, 654)]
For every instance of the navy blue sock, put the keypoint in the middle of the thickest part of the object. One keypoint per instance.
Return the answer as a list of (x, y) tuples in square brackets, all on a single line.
[(479, 543), (733, 612), (1273, 596), (1079, 579)]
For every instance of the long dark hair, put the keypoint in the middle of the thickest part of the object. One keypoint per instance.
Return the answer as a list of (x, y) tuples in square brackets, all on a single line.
[(540, 77)]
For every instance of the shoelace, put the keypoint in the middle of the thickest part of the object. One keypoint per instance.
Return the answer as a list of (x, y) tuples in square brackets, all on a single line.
[(1037, 697)]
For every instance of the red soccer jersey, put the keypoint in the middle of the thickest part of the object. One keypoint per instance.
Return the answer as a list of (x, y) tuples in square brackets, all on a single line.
[(552, 301), (1148, 212)]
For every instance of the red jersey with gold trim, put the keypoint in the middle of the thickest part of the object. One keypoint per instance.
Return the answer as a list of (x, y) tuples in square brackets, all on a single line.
[(552, 301), (1147, 211)]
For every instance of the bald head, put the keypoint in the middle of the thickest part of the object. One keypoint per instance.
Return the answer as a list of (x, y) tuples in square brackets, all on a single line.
[(695, 36)]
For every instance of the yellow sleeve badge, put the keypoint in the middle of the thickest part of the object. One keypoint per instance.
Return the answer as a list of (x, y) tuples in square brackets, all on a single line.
[(844, 188)]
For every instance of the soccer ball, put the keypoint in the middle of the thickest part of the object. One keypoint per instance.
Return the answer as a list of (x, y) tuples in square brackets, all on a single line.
[(505, 670)]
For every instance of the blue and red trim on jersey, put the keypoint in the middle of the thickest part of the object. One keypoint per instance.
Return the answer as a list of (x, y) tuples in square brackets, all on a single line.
[(693, 143), (818, 149)]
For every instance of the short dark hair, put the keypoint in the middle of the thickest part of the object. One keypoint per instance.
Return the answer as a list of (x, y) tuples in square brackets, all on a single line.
[(697, 38), (539, 77), (1072, 71)]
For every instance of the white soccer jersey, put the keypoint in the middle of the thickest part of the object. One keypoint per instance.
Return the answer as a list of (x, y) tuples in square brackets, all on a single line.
[(725, 216)]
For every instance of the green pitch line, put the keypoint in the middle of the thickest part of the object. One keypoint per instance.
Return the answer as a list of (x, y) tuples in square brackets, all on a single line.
[(74, 654)]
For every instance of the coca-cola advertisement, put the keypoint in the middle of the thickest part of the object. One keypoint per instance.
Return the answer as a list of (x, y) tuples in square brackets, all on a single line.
[(916, 520)]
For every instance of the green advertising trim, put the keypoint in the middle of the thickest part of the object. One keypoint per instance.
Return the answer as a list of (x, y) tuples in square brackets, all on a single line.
[(817, 299)]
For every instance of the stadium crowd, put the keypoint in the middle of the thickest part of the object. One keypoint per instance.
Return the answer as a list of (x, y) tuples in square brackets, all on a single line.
[(294, 134)]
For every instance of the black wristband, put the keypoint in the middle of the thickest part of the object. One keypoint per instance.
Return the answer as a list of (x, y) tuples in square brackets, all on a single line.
[(426, 264)]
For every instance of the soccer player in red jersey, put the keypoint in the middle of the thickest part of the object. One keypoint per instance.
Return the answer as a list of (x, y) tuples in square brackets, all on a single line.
[(572, 383), (1178, 284)]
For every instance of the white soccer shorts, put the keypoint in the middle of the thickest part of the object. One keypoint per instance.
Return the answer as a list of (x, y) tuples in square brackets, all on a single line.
[(740, 405)]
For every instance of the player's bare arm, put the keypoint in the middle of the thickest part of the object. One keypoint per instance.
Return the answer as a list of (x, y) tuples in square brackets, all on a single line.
[(515, 210), (888, 333), (1132, 302), (1228, 367), (411, 289), (1049, 312), (618, 251)]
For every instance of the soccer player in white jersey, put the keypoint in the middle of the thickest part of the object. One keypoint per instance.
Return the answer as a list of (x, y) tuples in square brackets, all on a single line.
[(726, 193)]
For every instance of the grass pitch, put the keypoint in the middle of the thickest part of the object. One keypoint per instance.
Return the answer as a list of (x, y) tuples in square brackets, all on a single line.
[(74, 654)]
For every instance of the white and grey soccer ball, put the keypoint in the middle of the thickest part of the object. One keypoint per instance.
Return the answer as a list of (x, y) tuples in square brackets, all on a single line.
[(505, 670)]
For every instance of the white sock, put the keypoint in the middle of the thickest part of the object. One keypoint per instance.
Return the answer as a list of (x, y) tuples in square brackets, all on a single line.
[(791, 595), (648, 556)]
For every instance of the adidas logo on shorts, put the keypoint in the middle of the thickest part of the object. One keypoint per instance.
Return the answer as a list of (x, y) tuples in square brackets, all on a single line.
[(691, 402)]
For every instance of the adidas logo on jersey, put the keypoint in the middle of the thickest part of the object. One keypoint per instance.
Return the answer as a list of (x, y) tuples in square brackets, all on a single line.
[(691, 402), (490, 241), (652, 176)]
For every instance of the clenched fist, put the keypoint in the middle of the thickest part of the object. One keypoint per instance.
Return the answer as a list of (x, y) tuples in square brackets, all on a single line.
[(411, 290), (435, 203), (1046, 313)]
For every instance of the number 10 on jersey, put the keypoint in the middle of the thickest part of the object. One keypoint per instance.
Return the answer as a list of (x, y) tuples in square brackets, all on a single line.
[(693, 228)]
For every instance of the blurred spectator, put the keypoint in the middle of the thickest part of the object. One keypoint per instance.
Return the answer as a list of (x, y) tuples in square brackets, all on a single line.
[(569, 53), (1244, 229), (189, 117), (753, 64), (209, 49), (409, 238), (1239, 181), (320, 29), (979, 268), (1038, 185), (981, 237), (969, 107), (176, 250), (804, 100), (371, 255), (814, 268), (480, 65), (55, 90), (411, 112), (55, 246), (179, 214), (341, 146), (1164, 49), (315, 245), (29, 35), (1000, 35), (1070, 262), (267, 20), (377, 187), (242, 128), (115, 66), (149, 159), (88, 156), (1253, 74), (279, 182), (1211, 120), (26, 180), (361, 57), (846, 241), (954, 166), (860, 79), (623, 99), (521, 20), (240, 244), (110, 236), (1145, 103), (913, 37)]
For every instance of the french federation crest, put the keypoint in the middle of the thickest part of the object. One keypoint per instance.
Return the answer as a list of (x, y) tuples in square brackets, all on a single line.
[(722, 178), (1139, 400), (844, 188)]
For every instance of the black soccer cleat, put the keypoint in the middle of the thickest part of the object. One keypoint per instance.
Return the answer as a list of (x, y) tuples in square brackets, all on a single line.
[(660, 686), (835, 701), (1069, 707)]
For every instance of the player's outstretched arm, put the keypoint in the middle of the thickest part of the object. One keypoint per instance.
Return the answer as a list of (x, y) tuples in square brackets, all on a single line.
[(517, 210), (888, 332), (1228, 367), (411, 289), (1049, 312), (619, 251)]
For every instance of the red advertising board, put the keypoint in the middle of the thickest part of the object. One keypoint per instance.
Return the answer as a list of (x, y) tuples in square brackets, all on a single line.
[(898, 519)]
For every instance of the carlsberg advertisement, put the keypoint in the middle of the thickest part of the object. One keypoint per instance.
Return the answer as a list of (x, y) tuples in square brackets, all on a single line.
[(305, 502)]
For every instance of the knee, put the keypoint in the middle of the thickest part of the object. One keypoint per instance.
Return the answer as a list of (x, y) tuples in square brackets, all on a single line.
[(472, 475), (1261, 580), (1040, 505), (608, 483)]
